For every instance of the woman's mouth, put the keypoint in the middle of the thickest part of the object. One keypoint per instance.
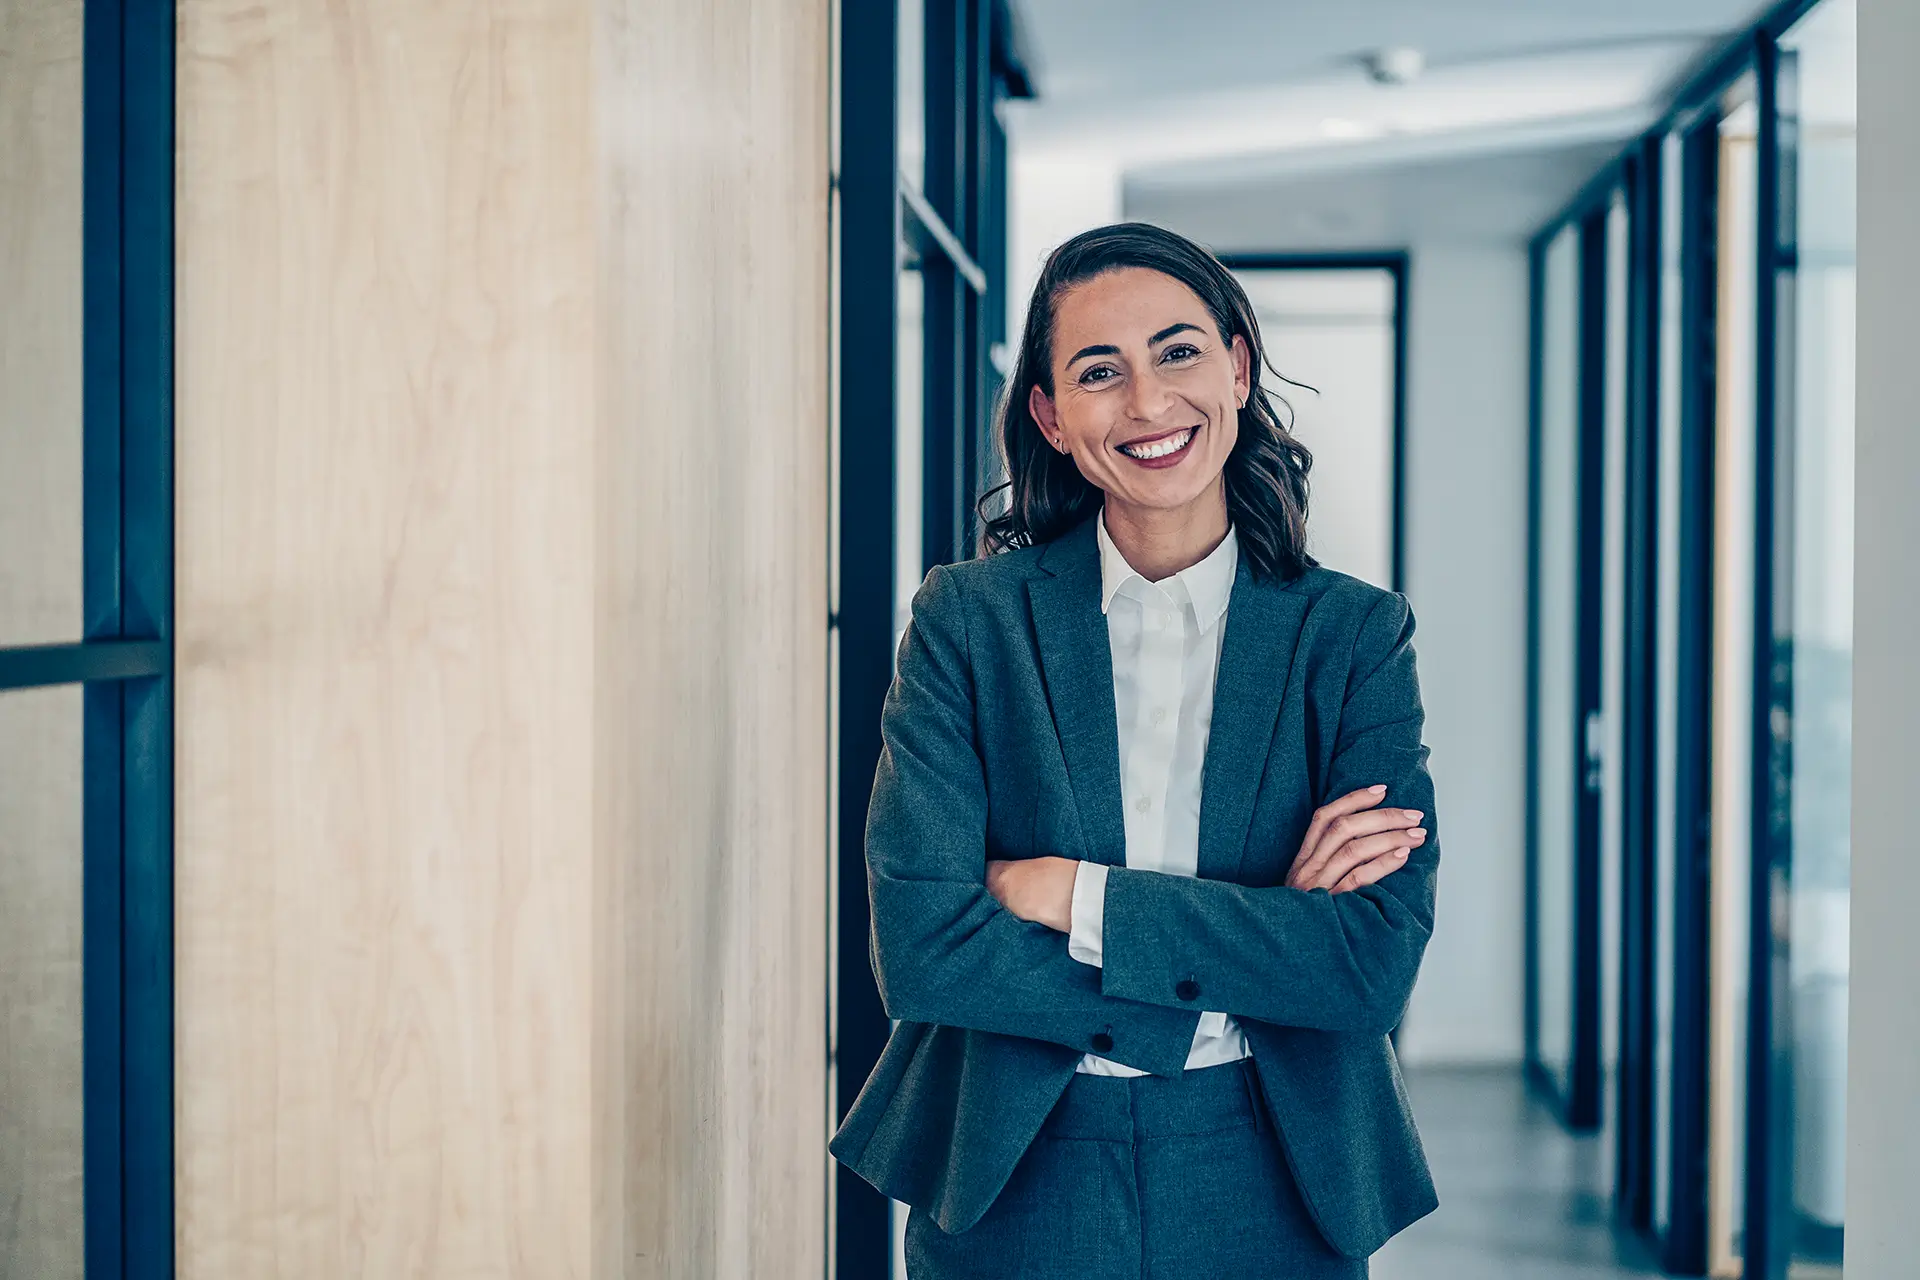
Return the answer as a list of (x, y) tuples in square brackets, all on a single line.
[(1162, 451)]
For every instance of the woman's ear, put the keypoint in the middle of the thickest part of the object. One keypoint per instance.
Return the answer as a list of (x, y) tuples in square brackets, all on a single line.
[(1040, 405), (1242, 370)]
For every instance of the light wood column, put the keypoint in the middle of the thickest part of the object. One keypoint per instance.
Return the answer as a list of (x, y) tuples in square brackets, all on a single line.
[(502, 601)]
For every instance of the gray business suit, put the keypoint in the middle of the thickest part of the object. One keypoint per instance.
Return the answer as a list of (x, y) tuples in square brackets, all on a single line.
[(1000, 741)]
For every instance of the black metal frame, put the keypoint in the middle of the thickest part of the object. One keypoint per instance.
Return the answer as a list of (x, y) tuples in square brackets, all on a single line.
[(1767, 1241), (1395, 263), (123, 660), (1578, 1102), (954, 232)]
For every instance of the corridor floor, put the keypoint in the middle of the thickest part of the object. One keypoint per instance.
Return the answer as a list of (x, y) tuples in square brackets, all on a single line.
[(1520, 1198)]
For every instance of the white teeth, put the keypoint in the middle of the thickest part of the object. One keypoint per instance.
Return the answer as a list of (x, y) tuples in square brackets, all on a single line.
[(1159, 448)]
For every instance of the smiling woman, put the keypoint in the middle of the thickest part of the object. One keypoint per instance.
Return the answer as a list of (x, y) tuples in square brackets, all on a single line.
[(1142, 1023), (1138, 386)]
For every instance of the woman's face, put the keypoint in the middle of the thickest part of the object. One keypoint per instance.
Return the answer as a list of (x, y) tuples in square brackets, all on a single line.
[(1146, 394)]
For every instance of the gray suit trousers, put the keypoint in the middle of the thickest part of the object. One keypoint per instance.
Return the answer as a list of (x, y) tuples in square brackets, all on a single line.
[(1151, 1176)]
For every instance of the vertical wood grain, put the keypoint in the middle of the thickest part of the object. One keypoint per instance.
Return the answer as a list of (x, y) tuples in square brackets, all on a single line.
[(386, 572), (502, 725), (713, 627)]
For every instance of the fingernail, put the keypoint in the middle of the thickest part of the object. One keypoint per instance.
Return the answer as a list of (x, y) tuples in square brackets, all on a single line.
[(1399, 853), (1378, 788), (1420, 832), (1413, 815)]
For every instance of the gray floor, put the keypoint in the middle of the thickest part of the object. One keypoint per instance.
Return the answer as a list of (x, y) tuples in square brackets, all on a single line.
[(1519, 1197)]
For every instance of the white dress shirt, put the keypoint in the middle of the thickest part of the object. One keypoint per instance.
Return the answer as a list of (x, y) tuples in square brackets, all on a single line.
[(1165, 637)]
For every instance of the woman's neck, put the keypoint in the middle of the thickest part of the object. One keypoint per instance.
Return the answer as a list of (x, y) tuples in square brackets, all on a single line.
[(1159, 542)]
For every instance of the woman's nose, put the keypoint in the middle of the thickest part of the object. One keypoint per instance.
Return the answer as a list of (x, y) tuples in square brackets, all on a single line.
[(1148, 396)]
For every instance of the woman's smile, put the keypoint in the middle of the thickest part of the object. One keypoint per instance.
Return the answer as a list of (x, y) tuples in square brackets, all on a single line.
[(1163, 450)]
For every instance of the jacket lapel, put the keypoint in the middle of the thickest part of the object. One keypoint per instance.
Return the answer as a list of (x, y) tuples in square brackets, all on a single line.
[(1077, 664), (1256, 657)]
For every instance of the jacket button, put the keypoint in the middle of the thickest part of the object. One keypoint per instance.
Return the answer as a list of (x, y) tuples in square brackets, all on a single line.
[(1187, 989), (1102, 1042)]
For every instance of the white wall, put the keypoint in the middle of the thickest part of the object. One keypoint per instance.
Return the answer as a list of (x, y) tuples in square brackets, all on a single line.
[(1883, 1140), (1466, 547), (1053, 197)]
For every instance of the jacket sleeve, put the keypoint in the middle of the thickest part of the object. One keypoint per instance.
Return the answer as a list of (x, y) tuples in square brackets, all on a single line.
[(1344, 962), (944, 949)]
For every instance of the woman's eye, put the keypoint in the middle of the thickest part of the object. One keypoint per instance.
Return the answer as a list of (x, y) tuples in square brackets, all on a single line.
[(1097, 374), (1181, 351)]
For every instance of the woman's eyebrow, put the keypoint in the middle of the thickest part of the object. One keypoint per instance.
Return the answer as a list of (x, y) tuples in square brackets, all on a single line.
[(1107, 349)]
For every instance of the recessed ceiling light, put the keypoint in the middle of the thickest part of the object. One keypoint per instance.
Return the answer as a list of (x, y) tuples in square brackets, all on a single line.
[(1399, 65)]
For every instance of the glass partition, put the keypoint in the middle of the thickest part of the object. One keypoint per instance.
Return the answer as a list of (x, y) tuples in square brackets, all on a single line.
[(41, 1108), (1731, 755), (40, 337), (1556, 697), (1816, 344)]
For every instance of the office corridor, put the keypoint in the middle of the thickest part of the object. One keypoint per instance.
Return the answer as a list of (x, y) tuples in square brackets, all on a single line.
[(1520, 1198)]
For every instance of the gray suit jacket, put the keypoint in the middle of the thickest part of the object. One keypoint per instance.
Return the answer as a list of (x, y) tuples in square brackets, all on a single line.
[(1000, 741)]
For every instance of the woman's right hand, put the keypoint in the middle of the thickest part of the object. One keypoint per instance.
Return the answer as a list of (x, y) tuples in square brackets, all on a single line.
[(1351, 843)]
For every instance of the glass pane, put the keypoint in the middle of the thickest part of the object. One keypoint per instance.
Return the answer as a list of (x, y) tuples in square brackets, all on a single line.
[(1613, 629), (1555, 727), (40, 299), (1333, 331), (912, 91), (40, 887), (1733, 645), (1666, 656), (909, 444), (1819, 341)]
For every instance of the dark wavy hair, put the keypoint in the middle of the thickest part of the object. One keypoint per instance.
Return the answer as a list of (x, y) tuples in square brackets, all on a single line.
[(1266, 474)]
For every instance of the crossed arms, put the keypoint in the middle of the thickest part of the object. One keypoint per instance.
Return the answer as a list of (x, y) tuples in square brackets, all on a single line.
[(946, 951)]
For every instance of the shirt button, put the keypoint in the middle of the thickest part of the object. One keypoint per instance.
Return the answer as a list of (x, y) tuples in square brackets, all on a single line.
[(1143, 804), (1159, 714)]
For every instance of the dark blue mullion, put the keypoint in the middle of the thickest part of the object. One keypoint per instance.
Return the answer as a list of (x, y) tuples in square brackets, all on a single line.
[(1633, 1186), (102, 1007), (1583, 1102), (31, 666), (976, 109), (1768, 1244), (1684, 1249), (1536, 1072), (147, 610), (944, 363), (870, 234)]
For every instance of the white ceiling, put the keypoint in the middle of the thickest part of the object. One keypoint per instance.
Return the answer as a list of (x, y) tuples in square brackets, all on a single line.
[(1243, 100)]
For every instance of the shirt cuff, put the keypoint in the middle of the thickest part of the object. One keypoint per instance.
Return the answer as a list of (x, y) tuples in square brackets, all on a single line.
[(1089, 912)]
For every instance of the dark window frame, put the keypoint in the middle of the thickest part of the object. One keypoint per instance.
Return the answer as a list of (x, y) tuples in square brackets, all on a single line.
[(954, 232), (1767, 1229)]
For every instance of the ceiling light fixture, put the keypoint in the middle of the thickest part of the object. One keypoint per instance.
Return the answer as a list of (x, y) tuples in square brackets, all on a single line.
[(1394, 65)]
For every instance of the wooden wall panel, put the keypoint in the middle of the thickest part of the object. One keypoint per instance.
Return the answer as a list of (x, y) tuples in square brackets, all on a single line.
[(502, 778), (713, 627), (41, 1160), (386, 421)]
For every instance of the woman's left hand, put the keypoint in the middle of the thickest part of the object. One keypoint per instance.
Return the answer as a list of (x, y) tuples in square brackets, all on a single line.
[(1036, 889)]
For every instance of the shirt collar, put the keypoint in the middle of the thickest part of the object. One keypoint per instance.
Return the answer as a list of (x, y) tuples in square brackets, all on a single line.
[(1209, 584)]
